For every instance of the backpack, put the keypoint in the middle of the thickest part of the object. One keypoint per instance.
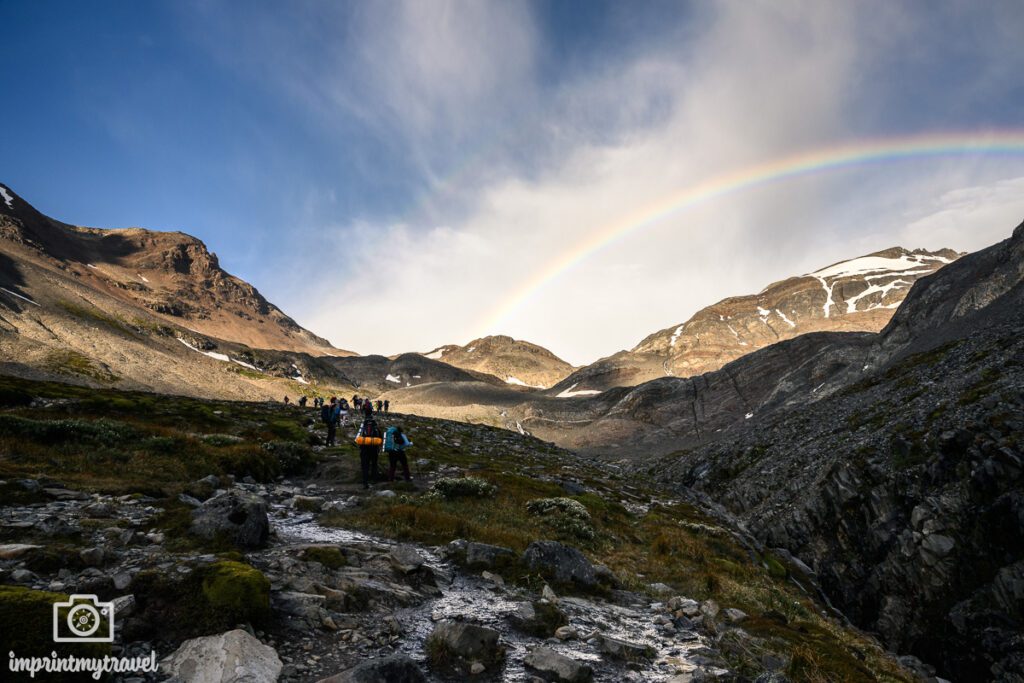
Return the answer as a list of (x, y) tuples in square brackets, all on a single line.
[(369, 434), (389, 439), (325, 413)]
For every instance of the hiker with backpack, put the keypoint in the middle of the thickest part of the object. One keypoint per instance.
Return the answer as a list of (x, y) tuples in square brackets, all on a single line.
[(343, 412), (387, 406), (329, 416), (369, 440), (395, 443), (302, 401), (367, 408), (380, 406)]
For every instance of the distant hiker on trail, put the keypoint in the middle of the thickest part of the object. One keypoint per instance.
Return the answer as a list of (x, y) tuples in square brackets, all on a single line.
[(286, 400), (387, 406), (329, 416), (395, 443), (380, 405), (358, 402), (343, 412), (302, 401), (369, 440), (367, 408)]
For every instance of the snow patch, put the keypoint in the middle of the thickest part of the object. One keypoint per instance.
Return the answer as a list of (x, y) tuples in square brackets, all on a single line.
[(23, 298), (675, 335), (785, 319), (89, 265), (748, 416), (392, 378), (520, 383), (7, 197), (851, 304), (471, 349), (763, 313), (569, 393), (872, 264), (829, 302), (300, 379), (142, 277), (519, 426), (245, 365), (211, 354), (434, 355)]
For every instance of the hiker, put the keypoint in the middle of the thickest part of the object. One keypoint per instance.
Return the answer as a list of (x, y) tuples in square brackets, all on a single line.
[(302, 401), (369, 441), (380, 406), (286, 400), (387, 406), (367, 408), (329, 416), (343, 412), (395, 443), (358, 402)]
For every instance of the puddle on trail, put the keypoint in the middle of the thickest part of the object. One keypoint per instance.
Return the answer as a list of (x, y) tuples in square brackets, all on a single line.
[(471, 598)]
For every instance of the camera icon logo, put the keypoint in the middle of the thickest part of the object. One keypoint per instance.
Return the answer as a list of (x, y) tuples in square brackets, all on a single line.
[(83, 619)]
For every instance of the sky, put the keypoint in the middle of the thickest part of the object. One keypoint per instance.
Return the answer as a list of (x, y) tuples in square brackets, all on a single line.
[(398, 175)]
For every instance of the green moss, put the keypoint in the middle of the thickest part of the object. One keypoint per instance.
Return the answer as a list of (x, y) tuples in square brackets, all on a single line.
[(236, 592), (68, 362), (26, 629), (328, 556)]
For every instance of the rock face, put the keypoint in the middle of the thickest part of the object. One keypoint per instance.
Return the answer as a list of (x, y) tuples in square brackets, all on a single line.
[(902, 484), (465, 648), (232, 657), (238, 516), (516, 362)]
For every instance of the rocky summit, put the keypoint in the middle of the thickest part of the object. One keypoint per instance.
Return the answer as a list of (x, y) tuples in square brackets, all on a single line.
[(518, 363)]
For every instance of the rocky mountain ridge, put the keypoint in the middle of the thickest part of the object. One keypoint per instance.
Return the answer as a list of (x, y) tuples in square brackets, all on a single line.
[(857, 295), (516, 362)]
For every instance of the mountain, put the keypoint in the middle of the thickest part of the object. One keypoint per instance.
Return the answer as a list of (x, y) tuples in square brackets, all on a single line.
[(515, 362), (140, 309), (860, 295)]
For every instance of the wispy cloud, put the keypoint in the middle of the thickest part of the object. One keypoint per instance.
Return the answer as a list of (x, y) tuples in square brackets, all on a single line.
[(510, 163)]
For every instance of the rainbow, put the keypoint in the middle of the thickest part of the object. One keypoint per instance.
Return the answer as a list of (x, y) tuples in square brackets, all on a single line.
[(776, 170)]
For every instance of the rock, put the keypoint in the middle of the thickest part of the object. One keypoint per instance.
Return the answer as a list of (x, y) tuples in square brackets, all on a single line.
[(236, 515), (405, 558), (101, 510), (204, 488), (455, 644), (548, 594), (496, 579), (551, 666), (66, 494), (393, 669), (539, 618), (123, 606), (566, 633), (308, 503), (477, 668), (560, 563), (660, 588), (938, 545), (304, 605), (484, 556), (189, 500), (122, 580), (734, 616), (12, 551), (92, 557), (622, 649), (232, 657), (710, 609), (22, 576), (385, 493)]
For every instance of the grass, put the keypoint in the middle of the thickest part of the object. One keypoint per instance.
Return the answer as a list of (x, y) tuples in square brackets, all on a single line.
[(68, 362)]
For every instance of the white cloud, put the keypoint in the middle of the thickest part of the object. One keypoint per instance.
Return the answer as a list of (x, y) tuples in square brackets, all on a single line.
[(759, 81)]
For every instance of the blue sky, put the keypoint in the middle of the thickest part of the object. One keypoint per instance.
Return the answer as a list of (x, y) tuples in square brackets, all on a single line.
[(423, 160)]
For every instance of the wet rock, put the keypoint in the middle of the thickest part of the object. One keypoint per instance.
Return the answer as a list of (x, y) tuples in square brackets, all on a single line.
[(551, 666), (99, 510), (204, 488), (496, 579), (231, 657), (566, 633), (539, 618), (734, 616), (303, 605), (457, 645), (394, 669), (236, 515), (622, 649), (66, 494), (23, 576), (560, 563), (405, 558), (191, 501)]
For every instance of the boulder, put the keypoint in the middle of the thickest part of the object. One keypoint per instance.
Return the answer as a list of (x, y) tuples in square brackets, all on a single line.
[(551, 666), (560, 563), (622, 649), (231, 657), (308, 503), (235, 515), (457, 646), (484, 556), (12, 551), (540, 618), (405, 558), (393, 669)]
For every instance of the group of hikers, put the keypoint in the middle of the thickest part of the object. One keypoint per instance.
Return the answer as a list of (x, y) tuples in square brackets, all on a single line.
[(361, 404), (369, 438)]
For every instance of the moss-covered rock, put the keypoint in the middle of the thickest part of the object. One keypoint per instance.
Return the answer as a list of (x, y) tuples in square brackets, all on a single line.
[(26, 628), (237, 592), (329, 556)]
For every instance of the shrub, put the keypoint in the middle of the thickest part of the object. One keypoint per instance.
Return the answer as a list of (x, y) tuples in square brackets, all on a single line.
[(329, 556), (293, 458), (100, 432), (565, 516), (218, 440), (462, 487)]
